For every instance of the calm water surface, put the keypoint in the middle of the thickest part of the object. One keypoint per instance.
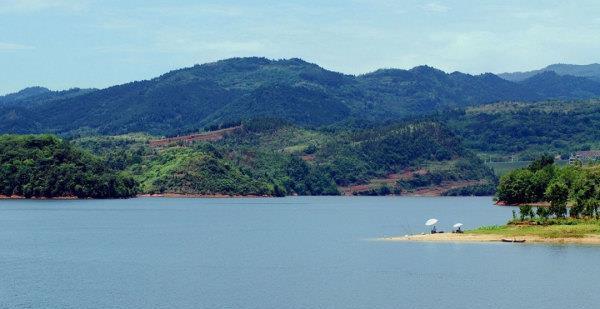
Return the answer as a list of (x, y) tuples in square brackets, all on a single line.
[(300, 252)]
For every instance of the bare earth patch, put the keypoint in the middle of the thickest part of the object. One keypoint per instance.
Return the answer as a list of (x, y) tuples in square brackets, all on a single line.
[(443, 187), (390, 180), (205, 136)]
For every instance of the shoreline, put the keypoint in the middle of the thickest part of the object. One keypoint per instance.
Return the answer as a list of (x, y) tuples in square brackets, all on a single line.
[(18, 197), (533, 204), (490, 238), (178, 195), (166, 195)]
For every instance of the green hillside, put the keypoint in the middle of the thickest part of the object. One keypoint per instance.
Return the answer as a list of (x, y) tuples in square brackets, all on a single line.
[(238, 89), (311, 131), (273, 157), (45, 166), (526, 130)]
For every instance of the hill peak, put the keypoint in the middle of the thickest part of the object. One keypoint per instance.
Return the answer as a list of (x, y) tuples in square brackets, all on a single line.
[(589, 71), (29, 91), (235, 89), (24, 94)]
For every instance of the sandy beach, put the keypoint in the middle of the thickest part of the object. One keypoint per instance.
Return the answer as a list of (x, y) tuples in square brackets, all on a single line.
[(475, 238)]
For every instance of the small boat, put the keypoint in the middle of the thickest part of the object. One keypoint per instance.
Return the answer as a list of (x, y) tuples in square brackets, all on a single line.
[(512, 240)]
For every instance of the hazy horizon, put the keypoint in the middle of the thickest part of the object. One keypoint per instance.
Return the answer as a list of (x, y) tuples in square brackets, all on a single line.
[(60, 44)]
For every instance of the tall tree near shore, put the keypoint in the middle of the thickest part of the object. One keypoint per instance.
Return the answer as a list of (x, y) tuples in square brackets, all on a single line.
[(586, 193), (557, 194), (516, 187), (541, 162)]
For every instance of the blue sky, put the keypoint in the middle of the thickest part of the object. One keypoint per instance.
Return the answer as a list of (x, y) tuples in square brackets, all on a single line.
[(86, 43)]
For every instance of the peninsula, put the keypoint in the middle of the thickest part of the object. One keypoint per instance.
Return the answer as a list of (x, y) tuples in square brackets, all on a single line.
[(567, 203)]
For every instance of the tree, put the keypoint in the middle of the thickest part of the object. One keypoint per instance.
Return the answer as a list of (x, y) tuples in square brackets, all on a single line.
[(540, 180), (542, 212), (558, 194), (586, 193), (541, 162), (516, 187), (526, 212), (46, 166), (591, 207)]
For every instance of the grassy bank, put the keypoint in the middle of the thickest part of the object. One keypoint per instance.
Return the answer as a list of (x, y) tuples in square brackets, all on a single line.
[(552, 231), (552, 228)]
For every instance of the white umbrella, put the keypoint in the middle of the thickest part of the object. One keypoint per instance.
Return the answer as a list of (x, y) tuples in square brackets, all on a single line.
[(431, 222), (457, 225)]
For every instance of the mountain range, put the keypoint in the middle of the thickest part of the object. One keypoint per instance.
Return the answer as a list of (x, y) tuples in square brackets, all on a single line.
[(590, 71), (302, 93)]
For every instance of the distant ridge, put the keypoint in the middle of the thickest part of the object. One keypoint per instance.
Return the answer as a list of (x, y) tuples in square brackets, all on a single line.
[(232, 90), (40, 94), (590, 71), (27, 93)]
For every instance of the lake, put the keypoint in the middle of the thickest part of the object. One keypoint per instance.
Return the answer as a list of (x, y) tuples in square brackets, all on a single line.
[(296, 252)]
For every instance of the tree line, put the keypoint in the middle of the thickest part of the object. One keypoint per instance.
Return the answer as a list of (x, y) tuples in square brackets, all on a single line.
[(576, 186), (46, 166)]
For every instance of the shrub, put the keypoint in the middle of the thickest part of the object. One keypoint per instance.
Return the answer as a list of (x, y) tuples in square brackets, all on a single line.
[(526, 211)]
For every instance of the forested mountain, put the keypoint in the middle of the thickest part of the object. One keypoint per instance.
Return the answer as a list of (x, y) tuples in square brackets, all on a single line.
[(590, 71), (30, 93), (424, 89), (305, 130), (237, 89), (566, 87), (528, 129), (46, 166)]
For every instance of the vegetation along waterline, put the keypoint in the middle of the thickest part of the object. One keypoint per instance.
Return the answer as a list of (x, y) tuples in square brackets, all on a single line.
[(44, 166), (568, 200), (537, 230), (268, 157), (260, 127)]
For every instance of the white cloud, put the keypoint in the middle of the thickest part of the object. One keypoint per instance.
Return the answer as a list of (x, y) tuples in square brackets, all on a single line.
[(120, 24), (14, 47), (181, 41), (226, 47), (196, 9), (532, 47), (121, 48), (40, 5), (544, 15), (435, 7)]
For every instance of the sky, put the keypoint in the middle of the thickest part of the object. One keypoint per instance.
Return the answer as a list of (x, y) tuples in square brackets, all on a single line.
[(62, 44)]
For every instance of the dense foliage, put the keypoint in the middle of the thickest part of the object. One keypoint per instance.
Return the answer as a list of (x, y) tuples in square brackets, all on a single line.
[(574, 184), (308, 130), (46, 166), (528, 129), (473, 190), (377, 152), (526, 185), (205, 169), (237, 89), (273, 157)]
